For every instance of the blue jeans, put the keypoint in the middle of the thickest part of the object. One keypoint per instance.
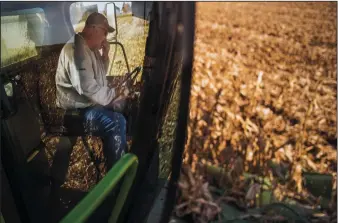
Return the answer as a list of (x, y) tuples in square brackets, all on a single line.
[(111, 127)]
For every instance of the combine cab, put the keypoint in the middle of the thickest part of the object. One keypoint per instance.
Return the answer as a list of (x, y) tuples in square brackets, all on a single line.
[(40, 142)]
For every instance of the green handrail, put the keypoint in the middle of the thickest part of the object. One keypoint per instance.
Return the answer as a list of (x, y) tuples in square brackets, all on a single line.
[(127, 166)]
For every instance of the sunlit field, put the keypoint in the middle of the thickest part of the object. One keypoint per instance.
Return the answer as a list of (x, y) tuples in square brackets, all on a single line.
[(132, 33), (263, 122)]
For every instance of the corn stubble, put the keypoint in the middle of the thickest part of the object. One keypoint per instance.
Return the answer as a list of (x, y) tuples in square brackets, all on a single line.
[(263, 91)]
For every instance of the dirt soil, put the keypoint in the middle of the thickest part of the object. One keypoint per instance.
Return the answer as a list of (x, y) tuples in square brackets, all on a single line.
[(264, 89)]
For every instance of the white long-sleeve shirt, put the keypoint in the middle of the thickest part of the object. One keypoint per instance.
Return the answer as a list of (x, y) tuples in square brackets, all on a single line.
[(81, 76)]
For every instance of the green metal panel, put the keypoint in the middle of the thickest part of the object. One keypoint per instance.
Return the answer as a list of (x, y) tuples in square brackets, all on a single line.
[(127, 166), (2, 220)]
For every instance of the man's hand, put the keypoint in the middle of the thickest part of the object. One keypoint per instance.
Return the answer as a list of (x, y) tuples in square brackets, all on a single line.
[(122, 92), (118, 104), (125, 91), (105, 49)]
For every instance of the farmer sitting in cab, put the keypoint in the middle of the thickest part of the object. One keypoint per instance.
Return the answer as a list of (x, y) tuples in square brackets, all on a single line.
[(81, 85)]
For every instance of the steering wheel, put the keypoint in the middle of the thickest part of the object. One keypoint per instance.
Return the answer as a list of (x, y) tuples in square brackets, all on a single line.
[(130, 77)]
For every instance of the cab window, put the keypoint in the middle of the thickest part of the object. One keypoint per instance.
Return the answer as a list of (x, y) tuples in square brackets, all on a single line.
[(22, 33), (79, 11), (132, 33)]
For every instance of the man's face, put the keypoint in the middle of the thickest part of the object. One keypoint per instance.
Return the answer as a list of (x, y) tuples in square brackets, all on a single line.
[(100, 35)]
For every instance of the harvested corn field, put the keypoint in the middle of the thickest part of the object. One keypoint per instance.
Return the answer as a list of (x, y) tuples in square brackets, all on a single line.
[(263, 112)]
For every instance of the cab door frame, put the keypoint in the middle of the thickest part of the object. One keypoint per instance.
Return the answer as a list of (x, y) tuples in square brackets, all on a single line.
[(165, 32), (13, 160)]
